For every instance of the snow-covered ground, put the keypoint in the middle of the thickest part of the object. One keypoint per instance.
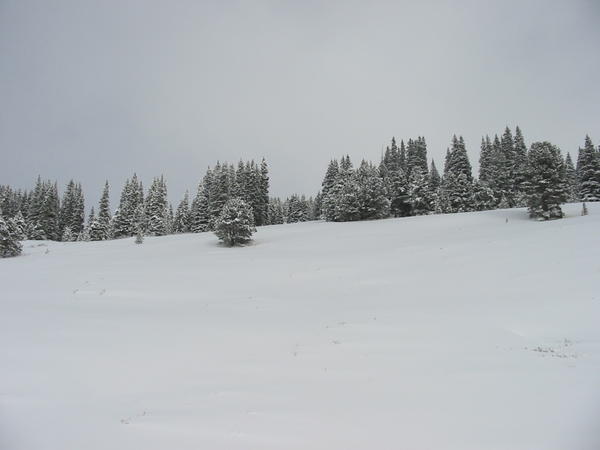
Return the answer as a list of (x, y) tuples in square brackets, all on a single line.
[(462, 331)]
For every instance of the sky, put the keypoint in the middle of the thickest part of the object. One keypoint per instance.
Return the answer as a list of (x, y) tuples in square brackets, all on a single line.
[(96, 90)]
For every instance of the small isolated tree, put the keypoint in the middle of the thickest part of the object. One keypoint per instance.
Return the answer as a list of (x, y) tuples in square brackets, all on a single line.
[(545, 187), (9, 242), (235, 223)]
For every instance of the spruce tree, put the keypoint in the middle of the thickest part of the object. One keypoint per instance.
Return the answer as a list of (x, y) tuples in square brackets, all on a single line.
[(9, 242), (545, 186), (456, 191), (588, 168), (235, 223), (571, 180), (372, 200), (157, 209), (199, 211), (483, 197), (420, 194), (296, 209), (276, 215), (181, 221), (520, 171)]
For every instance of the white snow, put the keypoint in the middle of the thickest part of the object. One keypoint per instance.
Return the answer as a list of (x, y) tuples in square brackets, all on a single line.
[(459, 331)]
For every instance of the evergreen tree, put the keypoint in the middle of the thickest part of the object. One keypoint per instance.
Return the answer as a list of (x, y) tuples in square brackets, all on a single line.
[(68, 235), (434, 178), (486, 161), (545, 187), (235, 223), (317, 205), (588, 168), (330, 177), (100, 228), (571, 180), (392, 171), (276, 215), (131, 197), (156, 209), (520, 173), (262, 209), (372, 200), (9, 242), (456, 191), (296, 209), (199, 211), (483, 197), (420, 194), (181, 222), (416, 156)]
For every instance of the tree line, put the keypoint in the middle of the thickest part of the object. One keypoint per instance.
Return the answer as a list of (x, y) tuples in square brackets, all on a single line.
[(404, 183), (510, 175)]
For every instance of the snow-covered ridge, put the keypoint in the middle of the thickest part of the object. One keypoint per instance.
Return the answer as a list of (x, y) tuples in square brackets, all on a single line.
[(462, 331)]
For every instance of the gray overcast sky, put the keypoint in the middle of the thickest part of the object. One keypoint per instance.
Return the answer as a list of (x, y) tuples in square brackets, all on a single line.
[(100, 89)]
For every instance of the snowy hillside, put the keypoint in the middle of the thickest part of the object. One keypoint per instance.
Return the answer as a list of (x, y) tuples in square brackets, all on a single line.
[(465, 331)]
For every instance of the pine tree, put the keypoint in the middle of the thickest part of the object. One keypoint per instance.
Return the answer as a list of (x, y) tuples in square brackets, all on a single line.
[(100, 228), (571, 179), (434, 178), (235, 223), (392, 171), (486, 161), (545, 187), (20, 226), (276, 215), (372, 200), (156, 208), (296, 209), (9, 242), (67, 235), (420, 194), (588, 168), (520, 173), (199, 211), (181, 221), (483, 197), (262, 218), (456, 191)]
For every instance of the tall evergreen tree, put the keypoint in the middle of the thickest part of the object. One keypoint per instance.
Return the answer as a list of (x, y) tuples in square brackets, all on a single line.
[(588, 171), (9, 242), (571, 180), (456, 192), (545, 186), (157, 208), (101, 231), (181, 222)]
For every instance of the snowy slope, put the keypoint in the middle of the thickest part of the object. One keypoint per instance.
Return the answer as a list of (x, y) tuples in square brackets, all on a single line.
[(459, 331)]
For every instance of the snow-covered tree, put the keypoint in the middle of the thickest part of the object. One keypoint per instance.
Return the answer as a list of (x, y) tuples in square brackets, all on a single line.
[(483, 197), (571, 180), (588, 171), (68, 235), (545, 187), (276, 215), (456, 191), (181, 221), (235, 223), (9, 241), (157, 209), (199, 211), (421, 197)]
